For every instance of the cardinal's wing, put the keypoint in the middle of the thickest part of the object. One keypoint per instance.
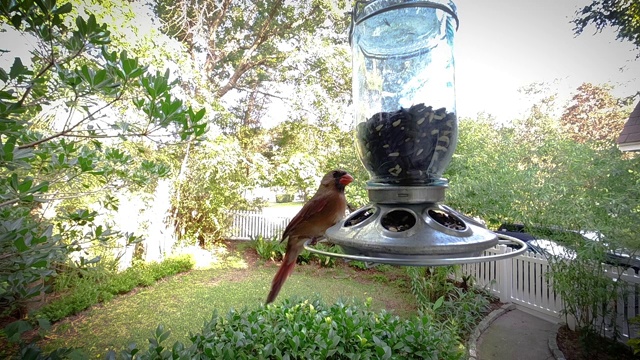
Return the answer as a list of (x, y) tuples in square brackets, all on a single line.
[(308, 210)]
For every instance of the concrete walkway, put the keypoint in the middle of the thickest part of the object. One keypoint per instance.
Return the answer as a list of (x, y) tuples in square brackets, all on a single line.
[(511, 334)]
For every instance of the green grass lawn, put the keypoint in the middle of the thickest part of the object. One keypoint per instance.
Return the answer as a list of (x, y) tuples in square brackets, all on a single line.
[(184, 302)]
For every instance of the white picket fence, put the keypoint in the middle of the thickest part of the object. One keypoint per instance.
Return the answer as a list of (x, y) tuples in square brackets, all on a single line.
[(523, 280), (248, 225)]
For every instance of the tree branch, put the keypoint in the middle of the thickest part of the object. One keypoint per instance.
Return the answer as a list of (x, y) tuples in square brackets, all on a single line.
[(241, 70), (246, 64), (241, 88), (9, 202), (65, 132)]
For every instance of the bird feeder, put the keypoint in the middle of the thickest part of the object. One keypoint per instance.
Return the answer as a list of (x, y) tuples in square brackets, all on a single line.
[(406, 130)]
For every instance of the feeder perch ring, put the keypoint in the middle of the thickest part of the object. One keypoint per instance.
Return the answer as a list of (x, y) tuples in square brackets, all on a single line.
[(423, 260)]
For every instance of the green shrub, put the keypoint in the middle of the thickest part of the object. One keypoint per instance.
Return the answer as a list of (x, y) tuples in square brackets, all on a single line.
[(428, 284), (95, 285), (284, 198), (307, 257), (310, 330), (324, 260), (274, 250), (271, 249), (360, 265), (437, 295), (463, 310)]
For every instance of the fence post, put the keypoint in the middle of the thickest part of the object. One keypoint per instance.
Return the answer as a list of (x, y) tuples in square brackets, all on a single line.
[(505, 272)]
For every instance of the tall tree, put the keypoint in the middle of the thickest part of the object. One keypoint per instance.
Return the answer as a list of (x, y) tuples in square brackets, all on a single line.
[(252, 48), (594, 114), (214, 185), (624, 15), (240, 43)]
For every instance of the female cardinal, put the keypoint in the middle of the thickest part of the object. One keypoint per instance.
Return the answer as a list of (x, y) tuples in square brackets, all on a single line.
[(321, 212)]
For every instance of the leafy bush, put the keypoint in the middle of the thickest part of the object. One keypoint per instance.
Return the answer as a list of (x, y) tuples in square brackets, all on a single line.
[(213, 185), (76, 115), (274, 250), (93, 286), (463, 310), (438, 296), (428, 284), (588, 294), (271, 249), (284, 198), (324, 260), (310, 330), (360, 265)]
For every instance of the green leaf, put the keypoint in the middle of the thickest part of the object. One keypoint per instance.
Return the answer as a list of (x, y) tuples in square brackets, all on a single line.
[(199, 115), (14, 330), (44, 5), (18, 69), (82, 26), (5, 95), (42, 187), (44, 324), (164, 336), (8, 147), (14, 181), (64, 9), (40, 264), (25, 185), (438, 303), (159, 330), (16, 21), (99, 77), (111, 355), (21, 244)]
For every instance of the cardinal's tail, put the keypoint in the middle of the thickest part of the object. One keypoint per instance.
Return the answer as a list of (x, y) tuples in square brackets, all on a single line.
[(281, 276)]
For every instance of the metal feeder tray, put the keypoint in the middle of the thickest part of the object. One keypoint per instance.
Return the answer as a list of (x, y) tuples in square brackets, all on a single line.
[(428, 260)]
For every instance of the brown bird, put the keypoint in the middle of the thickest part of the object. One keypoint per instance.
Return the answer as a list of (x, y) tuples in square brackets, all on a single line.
[(322, 211)]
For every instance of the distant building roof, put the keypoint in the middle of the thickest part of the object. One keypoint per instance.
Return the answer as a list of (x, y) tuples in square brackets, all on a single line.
[(629, 139)]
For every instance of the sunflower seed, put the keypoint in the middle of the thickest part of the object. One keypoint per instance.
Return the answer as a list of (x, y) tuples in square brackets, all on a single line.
[(394, 146)]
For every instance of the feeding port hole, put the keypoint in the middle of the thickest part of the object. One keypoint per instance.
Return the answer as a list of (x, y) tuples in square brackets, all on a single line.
[(447, 220), (398, 220), (360, 216)]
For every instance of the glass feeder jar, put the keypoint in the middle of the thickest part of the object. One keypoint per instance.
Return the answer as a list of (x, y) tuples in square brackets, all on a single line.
[(404, 89)]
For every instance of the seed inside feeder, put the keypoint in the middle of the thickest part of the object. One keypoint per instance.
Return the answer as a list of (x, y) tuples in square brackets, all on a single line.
[(360, 216), (398, 220), (447, 220), (408, 146)]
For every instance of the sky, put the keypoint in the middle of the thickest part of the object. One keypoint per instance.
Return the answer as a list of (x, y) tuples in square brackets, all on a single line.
[(503, 45)]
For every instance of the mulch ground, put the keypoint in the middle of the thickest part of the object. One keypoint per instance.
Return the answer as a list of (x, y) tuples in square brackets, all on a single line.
[(594, 347)]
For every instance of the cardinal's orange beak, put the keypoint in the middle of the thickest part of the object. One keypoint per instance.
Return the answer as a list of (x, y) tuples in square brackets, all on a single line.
[(346, 179)]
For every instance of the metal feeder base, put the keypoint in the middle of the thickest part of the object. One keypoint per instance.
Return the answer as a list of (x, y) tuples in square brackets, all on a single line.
[(411, 233), (418, 260)]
